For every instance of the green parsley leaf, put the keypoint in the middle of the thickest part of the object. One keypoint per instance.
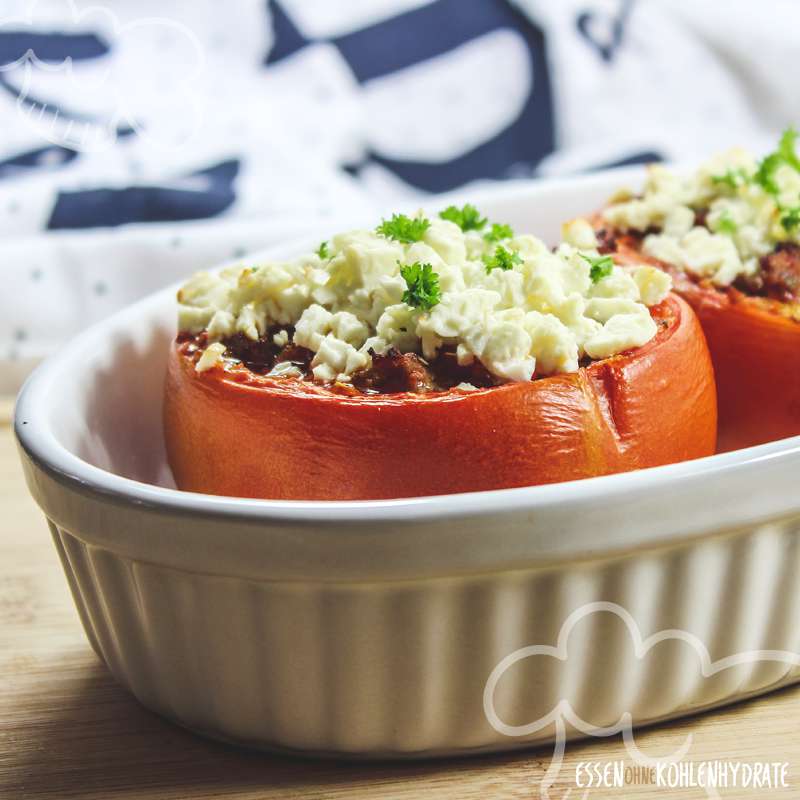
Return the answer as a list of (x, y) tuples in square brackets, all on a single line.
[(790, 218), (499, 232), (734, 178), (322, 251), (599, 266), (467, 218), (404, 229), (423, 285), (726, 224), (765, 174), (502, 259), (785, 154), (786, 148)]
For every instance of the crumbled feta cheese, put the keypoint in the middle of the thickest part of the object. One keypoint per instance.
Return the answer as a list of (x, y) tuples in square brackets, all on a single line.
[(285, 369), (540, 316), (742, 217), (210, 357), (654, 284), (579, 233), (621, 332)]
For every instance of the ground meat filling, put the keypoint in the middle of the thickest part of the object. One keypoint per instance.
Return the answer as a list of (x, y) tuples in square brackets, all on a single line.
[(261, 355), (391, 372), (396, 372), (407, 372), (608, 239), (779, 276), (257, 355)]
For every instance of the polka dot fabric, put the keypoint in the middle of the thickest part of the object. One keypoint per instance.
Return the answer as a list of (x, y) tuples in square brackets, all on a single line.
[(183, 134)]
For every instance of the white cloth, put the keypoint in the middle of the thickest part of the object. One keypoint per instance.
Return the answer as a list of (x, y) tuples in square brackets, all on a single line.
[(151, 138)]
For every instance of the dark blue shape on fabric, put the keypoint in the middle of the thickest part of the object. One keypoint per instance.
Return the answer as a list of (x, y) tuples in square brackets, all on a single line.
[(112, 207), (606, 48), (287, 40), (438, 28), (50, 47), (643, 157), (33, 159)]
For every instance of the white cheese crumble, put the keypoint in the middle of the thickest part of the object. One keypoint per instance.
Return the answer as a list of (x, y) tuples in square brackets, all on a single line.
[(542, 314), (211, 356), (743, 215)]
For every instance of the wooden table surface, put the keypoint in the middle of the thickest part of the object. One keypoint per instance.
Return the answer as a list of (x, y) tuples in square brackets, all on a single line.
[(68, 731)]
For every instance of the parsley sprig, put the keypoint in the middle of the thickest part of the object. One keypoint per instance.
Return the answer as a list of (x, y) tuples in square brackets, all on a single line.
[(733, 178), (790, 218), (468, 218), (727, 224), (599, 266), (501, 259), (402, 228), (784, 155), (498, 232), (423, 285), (322, 251)]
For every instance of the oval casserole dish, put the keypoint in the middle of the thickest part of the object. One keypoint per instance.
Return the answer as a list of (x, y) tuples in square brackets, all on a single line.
[(370, 629)]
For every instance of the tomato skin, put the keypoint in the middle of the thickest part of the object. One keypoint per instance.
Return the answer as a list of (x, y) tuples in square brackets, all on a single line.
[(245, 435), (756, 356), (755, 349)]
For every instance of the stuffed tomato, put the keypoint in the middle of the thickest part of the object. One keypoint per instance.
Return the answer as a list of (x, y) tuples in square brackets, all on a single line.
[(430, 356), (729, 235)]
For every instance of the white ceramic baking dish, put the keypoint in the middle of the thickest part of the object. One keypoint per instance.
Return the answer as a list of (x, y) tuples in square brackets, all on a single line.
[(370, 629)]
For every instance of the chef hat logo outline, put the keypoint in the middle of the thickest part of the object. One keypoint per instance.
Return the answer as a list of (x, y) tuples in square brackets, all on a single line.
[(563, 713), (88, 131)]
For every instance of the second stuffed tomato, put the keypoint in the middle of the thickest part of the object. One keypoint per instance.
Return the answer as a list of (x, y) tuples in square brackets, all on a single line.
[(729, 235), (432, 356)]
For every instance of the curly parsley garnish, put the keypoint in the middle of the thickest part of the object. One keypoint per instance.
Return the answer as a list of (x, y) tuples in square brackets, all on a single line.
[(498, 232), (501, 259), (727, 224), (784, 155), (787, 148), (322, 251), (599, 266), (790, 218), (733, 178), (765, 175), (423, 285), (467, 218), (404, 229)]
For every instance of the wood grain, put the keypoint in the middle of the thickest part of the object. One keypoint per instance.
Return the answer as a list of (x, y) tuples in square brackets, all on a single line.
[(68, 731)]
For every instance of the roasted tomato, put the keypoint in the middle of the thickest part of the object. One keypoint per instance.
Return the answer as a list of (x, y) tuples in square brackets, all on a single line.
[(233, 431), (755, 346)]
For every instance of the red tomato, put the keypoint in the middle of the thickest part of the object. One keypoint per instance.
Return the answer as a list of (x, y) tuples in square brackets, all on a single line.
[(234, 432)]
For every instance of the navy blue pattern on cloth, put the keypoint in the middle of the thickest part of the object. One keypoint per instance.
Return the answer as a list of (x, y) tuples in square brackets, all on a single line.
[(606, 48), (424, 33), (264, 120), (112, 207), (35, 159), (370, 52), (50, 47)]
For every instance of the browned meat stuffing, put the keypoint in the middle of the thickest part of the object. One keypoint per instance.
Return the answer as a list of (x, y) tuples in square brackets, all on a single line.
[(390, 373), (257, 356), (395, 372), (779, 276), (777, 279), (263, 354)]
